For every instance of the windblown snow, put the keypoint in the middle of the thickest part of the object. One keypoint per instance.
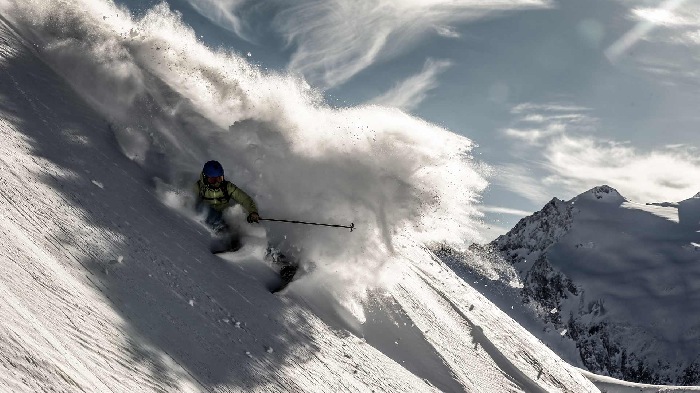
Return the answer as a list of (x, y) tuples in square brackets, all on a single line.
[(107, 279)]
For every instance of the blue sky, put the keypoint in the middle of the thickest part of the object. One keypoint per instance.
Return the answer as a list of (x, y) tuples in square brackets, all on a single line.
[(560, 96)]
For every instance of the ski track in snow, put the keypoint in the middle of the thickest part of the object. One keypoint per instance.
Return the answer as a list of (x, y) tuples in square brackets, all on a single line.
[(503, 350)]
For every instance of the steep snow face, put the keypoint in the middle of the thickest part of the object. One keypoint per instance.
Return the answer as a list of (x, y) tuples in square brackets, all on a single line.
[(106, 287), (604, 194), (533, 235), (689, 212), (619, 278), (608, 384)]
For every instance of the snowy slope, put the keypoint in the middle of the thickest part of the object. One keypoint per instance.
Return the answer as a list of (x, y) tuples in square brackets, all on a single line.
[(108, 284), (107, 290), (608, 384), (620, 279)]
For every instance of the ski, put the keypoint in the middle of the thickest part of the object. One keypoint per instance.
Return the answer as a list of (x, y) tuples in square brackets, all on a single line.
[(287, 274)]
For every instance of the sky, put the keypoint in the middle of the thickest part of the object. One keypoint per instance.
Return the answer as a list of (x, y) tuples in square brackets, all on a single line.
[(559, 95)]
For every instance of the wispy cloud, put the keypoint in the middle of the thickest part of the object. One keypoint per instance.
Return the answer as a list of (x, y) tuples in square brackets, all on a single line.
[(565, 158), (661, 174), (535, 123), (664, 15), (504, 210), (665, 40), (530, 108), (409, 93), (649, 19), (447, 31), (336, 39), (223, 13), (534, 136), (522, 181)]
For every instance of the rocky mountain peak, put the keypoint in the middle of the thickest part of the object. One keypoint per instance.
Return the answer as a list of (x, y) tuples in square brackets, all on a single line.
[(579, 260), (689, 211), (535, 233), (602, 193)]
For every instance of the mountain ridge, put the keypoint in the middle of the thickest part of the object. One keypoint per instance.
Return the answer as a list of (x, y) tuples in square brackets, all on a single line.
[(563, 252)]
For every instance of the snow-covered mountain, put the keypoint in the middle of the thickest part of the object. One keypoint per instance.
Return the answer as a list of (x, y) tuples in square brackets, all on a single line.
[(618, 278), (107, 281)]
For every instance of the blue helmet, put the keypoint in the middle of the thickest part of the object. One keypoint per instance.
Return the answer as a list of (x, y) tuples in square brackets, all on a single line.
[(213, 169)]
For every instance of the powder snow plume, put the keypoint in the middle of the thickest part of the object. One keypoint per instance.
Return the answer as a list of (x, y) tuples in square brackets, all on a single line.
[(174, 103)]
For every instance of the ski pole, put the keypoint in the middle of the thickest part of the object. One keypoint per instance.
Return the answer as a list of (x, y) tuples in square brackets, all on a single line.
[(351, 226)]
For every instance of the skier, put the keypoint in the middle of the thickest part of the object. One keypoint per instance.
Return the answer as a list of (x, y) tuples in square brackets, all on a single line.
[(214, 195)]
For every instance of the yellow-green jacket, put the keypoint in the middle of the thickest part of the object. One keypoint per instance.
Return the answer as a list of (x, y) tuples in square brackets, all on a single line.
[(219, 198)]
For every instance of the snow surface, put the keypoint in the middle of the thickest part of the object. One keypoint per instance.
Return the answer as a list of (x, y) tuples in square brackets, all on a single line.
[(108, 283), (612, 385), (640, 264), (618, 279)]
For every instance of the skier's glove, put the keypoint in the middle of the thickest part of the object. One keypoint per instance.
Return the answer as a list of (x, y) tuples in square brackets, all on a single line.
[(253, 217)]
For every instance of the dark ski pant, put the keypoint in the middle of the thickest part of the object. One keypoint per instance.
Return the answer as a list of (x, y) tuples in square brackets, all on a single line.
[(215, 218)]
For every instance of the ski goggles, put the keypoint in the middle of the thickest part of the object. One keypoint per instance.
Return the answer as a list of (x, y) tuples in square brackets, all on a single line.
[(214, 180)]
